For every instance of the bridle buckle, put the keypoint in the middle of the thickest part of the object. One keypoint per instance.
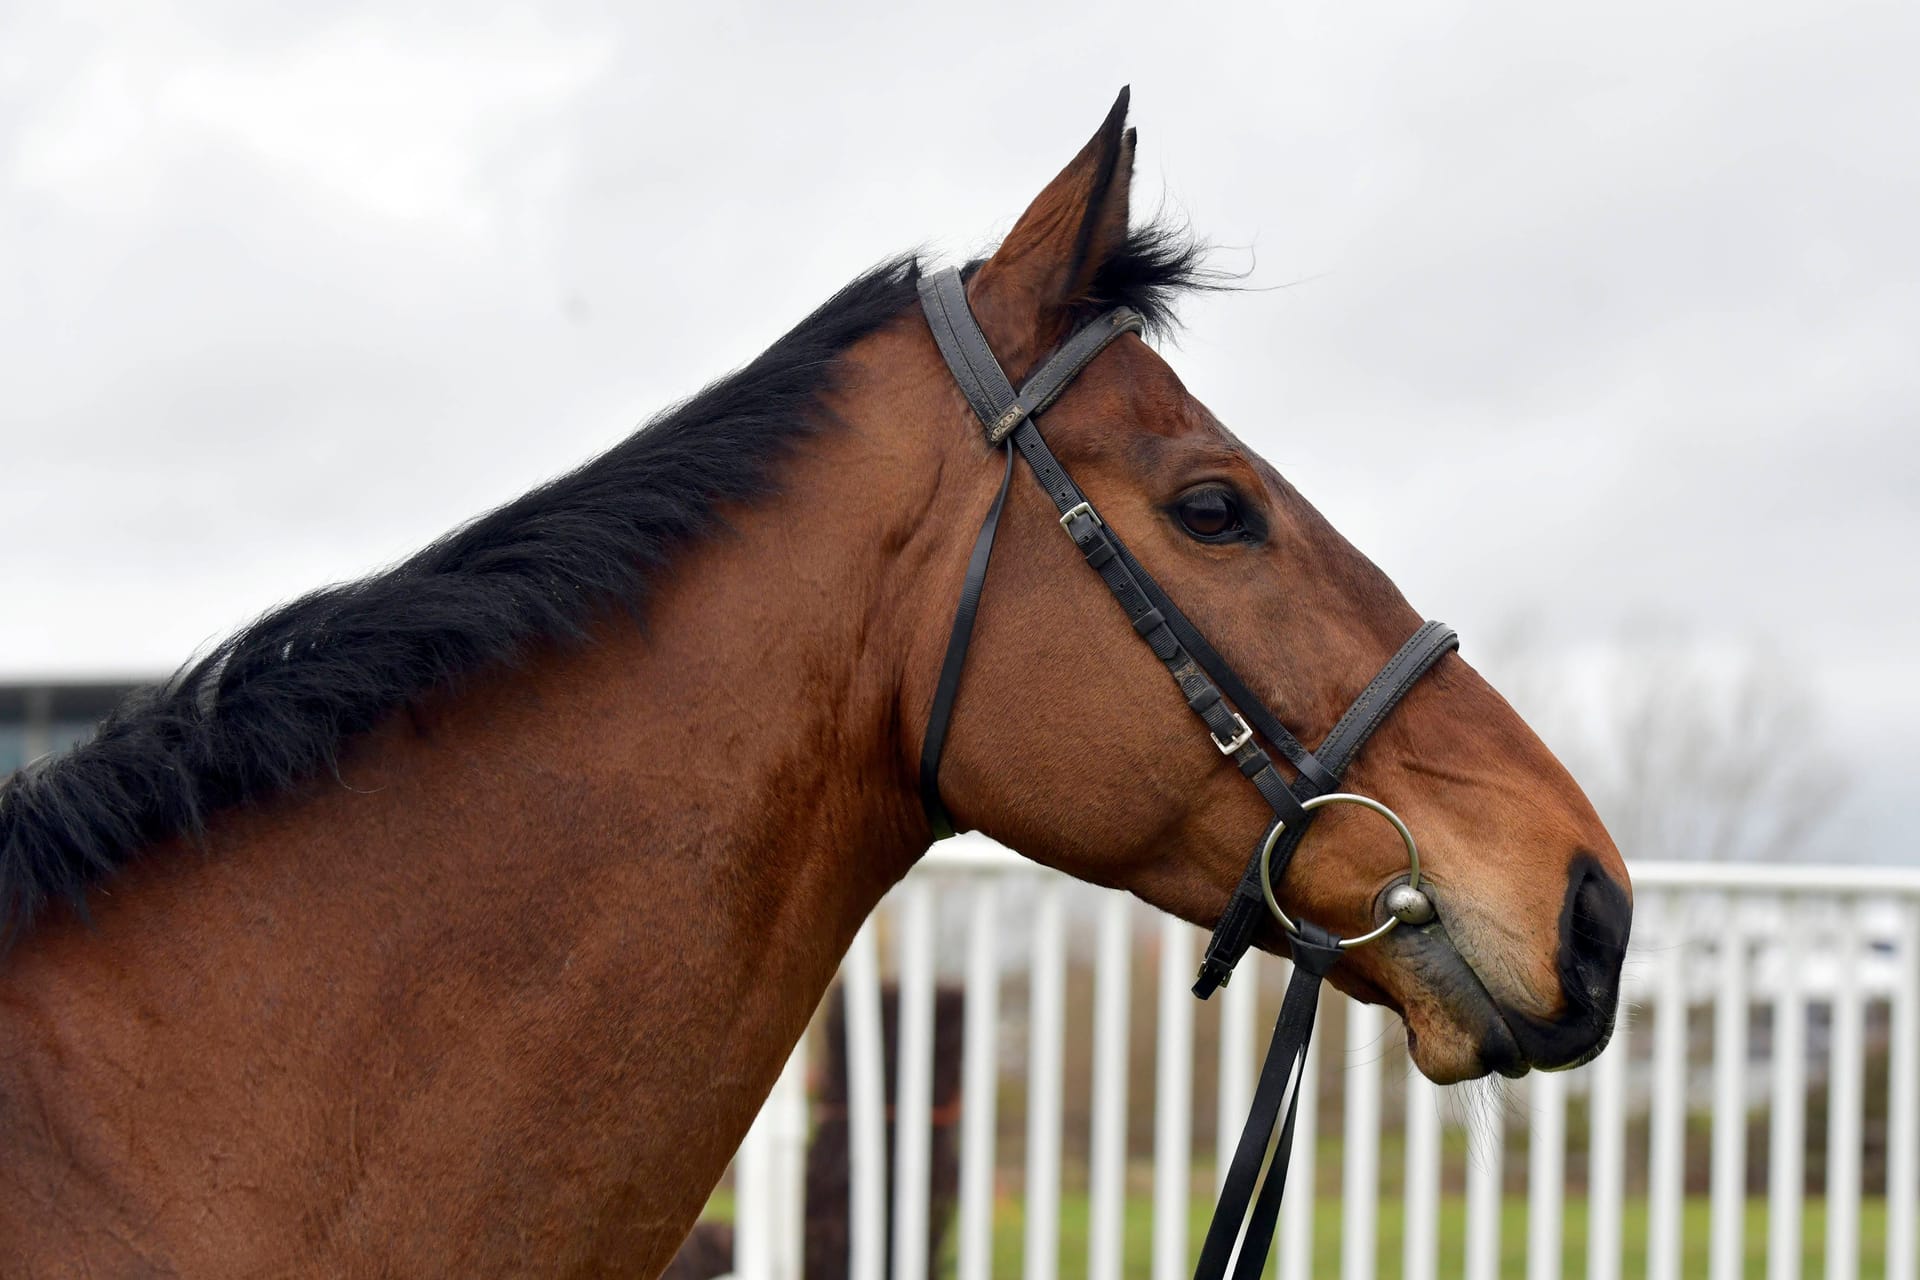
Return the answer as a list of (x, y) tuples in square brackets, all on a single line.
[(1076, 511), (1242, 736)]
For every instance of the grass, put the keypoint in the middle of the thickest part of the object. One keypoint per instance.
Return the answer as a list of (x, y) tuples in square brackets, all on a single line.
[(1009, 1236)]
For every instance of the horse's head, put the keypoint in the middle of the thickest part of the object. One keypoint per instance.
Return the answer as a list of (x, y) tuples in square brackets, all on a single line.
[(1072, 745)]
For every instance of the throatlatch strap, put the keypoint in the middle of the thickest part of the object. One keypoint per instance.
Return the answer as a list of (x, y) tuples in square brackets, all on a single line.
[(985, 385), (955, 661)]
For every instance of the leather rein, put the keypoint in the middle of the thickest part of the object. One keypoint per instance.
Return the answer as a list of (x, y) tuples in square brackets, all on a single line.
[(1234, 717)]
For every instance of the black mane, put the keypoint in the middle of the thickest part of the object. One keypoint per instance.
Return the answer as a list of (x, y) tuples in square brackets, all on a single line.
[(272, 706)]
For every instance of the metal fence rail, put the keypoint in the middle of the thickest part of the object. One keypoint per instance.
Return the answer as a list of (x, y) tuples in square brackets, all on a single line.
[(1747, 949)]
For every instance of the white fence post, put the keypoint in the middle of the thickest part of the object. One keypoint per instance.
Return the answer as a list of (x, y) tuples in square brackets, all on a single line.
[(1546, 1174), (1667, 1127), (1047, 1015), (1173, 1099), (1903, 1095), (1107, 1179), (1727, 1245), (1486, 1141), (787, 1165), (866, 1110), (770, 1180), (1786, 1132), (1606, 1152), (1844, 1089), (913, 1087), (752, 1200), (1420, 1244), (979, 1081), (1360, 1154)]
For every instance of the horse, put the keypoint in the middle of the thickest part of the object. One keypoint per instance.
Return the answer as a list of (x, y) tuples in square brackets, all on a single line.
[(456, 920)]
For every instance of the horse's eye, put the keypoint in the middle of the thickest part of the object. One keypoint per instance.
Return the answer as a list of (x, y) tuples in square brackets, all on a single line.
[(1211, 514)]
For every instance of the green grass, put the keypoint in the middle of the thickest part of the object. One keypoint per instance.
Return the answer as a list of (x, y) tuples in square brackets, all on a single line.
[(1009, 1237), (1010, 1227)]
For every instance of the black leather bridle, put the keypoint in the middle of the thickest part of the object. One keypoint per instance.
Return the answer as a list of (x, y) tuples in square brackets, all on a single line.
[(1234, 716)]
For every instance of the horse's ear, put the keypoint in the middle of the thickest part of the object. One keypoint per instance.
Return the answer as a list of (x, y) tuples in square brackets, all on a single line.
[(1023, 293)]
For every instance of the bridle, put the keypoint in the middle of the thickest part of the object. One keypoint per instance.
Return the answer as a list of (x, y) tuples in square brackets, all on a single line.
[(1234, 716)]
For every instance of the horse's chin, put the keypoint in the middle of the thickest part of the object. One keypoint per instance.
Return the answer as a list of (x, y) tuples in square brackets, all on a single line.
[(1455, 1030)]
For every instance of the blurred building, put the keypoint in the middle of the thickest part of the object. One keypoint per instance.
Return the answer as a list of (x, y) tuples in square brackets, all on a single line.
[(37, 717)]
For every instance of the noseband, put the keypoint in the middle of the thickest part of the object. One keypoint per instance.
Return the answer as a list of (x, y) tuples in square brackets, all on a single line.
[(1234, 717)]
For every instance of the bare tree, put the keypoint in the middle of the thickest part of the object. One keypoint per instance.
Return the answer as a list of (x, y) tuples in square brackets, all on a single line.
[(1688, 750)]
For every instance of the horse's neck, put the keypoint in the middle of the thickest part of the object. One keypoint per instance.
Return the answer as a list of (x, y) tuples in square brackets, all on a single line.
[(514, 984)]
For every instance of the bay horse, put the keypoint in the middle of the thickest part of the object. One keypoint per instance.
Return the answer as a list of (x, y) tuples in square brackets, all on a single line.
[(455, 921)]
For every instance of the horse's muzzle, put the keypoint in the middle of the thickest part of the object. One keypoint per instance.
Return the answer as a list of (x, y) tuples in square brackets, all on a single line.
[(1594, 925)]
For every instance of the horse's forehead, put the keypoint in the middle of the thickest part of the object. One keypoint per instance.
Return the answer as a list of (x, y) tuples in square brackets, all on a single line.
[(1158, 422), (1158, 426)]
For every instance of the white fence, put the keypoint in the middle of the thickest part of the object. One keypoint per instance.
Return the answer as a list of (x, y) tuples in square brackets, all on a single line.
[(1750, 990)]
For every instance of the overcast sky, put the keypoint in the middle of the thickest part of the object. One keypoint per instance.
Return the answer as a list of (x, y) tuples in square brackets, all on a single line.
[(1593, 321)]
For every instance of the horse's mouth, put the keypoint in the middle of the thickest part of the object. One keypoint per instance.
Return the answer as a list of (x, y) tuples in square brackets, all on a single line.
[(1476, 1033), (1457, 1027), (1467, 1033)]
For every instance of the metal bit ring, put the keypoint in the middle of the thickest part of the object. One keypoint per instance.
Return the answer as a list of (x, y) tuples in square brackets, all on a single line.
[(1339, 797)]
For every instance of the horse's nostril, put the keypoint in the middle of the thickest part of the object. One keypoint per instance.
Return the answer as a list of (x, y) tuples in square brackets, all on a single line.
[(1593, 941), (1593, 938)]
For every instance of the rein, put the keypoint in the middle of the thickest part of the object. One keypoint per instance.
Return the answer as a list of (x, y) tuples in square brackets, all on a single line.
[(1235, 719)]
